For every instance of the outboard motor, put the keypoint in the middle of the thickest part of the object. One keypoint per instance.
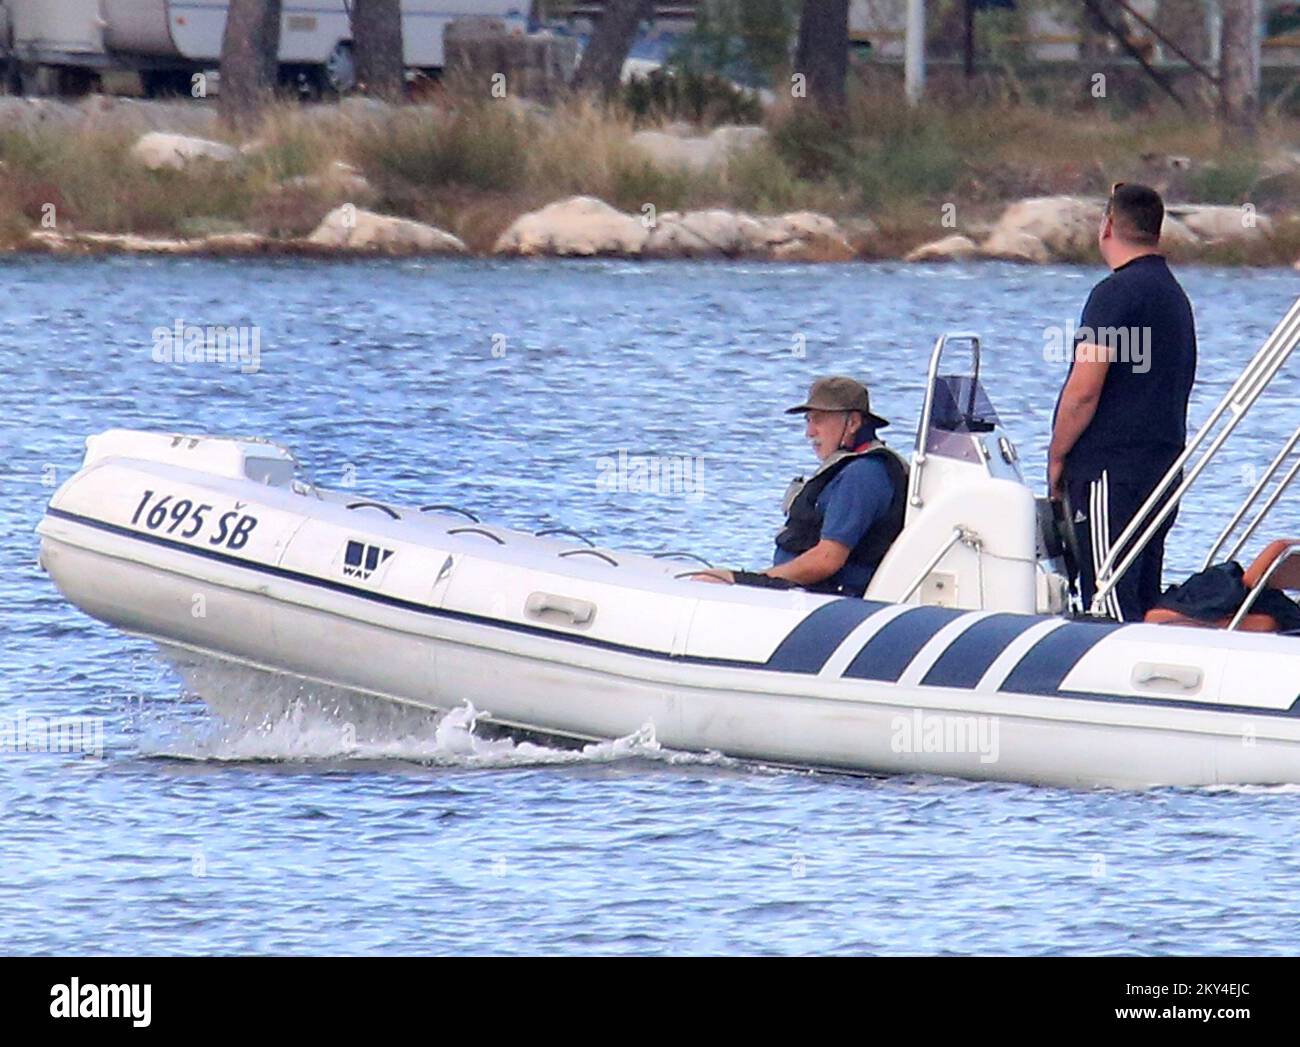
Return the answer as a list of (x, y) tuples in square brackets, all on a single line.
[(1058, 542)]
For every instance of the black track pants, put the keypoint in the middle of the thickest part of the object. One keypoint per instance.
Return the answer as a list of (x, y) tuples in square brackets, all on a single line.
[(1101, 508)]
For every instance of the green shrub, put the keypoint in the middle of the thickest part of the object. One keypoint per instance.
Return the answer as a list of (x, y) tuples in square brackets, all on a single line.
[(760, 180), (1225, 182), (635, 181), (689, 95), (810, 143), (920, 162), (478, 146)]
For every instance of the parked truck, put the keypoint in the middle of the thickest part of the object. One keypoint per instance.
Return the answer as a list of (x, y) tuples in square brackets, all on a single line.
[(66, 46)]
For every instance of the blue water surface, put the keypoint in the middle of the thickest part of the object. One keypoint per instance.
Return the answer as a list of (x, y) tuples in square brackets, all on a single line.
[(499, 386)]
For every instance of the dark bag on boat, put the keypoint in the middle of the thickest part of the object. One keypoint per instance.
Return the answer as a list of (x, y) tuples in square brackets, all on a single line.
[(1217, 592)]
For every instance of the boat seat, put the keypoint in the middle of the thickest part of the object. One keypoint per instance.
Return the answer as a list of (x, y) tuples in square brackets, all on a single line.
[(1285, 576)]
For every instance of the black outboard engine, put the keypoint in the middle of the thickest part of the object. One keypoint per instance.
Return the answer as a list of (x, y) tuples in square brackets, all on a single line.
[(1058, 542)]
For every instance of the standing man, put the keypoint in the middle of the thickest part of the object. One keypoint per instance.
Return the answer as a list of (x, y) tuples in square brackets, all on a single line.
[(1121, 419)]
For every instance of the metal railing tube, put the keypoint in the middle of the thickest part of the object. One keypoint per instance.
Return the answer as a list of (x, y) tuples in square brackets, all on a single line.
[(1241, 397), (1266, 509), (1245, 506)]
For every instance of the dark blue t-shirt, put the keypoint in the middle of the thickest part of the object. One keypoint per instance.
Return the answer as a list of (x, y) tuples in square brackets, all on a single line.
[(1142, 316), (859, 495)]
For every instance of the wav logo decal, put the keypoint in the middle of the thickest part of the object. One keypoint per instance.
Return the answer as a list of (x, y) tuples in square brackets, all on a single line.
[(361, 560)]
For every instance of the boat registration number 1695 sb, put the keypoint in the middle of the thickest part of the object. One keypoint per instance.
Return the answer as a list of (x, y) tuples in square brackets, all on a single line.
[(185, 519)]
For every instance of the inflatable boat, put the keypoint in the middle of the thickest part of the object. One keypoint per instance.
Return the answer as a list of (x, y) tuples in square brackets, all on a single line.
[(965, 657)]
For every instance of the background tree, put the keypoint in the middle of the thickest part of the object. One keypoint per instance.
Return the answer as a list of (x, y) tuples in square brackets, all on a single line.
[(250, 60), (822, 53), (1239, 69), (377, 43), (602, 61)]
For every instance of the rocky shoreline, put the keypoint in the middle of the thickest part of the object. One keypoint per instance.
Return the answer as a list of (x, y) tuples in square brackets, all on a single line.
[(1041, 230)]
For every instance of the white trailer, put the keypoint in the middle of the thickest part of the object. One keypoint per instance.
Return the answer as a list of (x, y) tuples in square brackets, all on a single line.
[(64, 45)]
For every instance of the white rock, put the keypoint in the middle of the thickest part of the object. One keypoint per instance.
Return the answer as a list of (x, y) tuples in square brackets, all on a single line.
[(352, 228), (700, 234), (1015, 246), (1065, 225), (579, 225), (1222, 223), (807, 236), (234, 243), (157, 150), (1173, 233), (801, 235), (339, 177), (674, 147), (809, 223), (134, 244), (955, 248), (130, 243)]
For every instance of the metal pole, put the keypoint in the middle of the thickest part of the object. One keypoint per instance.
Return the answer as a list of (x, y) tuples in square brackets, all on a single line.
[(1253, 595), (1266, 509), (1214, 30), (1245, 506), (914, 52), (968, 45), (1245, 390)]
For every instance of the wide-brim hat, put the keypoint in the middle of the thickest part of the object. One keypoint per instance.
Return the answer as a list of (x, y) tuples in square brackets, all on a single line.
[(839, 393)]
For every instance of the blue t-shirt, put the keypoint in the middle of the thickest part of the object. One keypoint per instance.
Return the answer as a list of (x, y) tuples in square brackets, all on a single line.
[(1142, 315), (859, 495)]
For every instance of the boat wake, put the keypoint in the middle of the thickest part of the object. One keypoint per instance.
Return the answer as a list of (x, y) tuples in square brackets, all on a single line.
[(274, 717)]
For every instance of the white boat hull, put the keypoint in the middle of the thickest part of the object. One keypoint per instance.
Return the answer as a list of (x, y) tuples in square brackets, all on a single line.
[(782, 677)]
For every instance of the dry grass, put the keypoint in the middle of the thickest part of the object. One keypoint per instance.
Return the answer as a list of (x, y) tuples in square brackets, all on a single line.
[(470, 165)]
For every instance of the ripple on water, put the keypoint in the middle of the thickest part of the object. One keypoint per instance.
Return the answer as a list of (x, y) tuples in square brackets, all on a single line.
[(197, 836)]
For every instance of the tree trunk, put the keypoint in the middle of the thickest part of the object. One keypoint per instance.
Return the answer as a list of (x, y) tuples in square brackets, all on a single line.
[(822, 53), (606, 51), (377, 43), (250, 60), (1239, 70)]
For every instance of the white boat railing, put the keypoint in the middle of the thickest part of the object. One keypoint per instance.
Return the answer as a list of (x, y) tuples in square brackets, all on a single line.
[(1251, 498), (1258, 588), (919, 455), (1247, 389)]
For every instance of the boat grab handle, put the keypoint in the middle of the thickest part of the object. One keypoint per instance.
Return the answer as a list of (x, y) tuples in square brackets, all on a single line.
[(441, 507), (547, 532), (478, 530), (589, 552), (579, 612), (375, 505), (1167, 677), (681, 556)]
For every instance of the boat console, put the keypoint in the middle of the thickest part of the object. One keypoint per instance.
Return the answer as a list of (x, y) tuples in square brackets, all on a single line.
[(973, 536)]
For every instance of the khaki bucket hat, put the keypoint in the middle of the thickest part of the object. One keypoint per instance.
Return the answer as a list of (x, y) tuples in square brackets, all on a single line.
[(839, 393)]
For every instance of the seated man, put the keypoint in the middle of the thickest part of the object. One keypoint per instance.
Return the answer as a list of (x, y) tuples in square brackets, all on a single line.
[(841, 521)]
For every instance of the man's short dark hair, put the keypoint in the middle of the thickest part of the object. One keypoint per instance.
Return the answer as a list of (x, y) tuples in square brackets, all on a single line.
[(1139, 213)]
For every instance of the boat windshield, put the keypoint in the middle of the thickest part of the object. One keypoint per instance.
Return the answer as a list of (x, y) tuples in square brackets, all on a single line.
[(961, 405)]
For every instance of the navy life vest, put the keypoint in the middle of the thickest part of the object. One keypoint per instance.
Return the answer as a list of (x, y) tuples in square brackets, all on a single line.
[(803, 524)]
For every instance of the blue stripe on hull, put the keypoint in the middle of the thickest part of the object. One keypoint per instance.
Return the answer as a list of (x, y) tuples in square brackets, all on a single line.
[(888, 654), (1050, 660), (967, 658), (814, 640)]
